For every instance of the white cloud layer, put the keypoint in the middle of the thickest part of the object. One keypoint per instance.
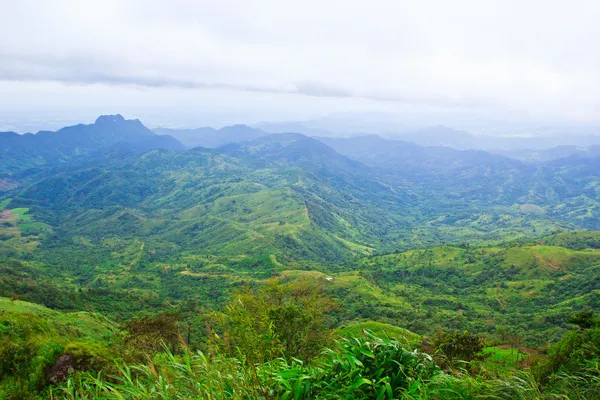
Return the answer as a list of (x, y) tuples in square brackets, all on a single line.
[(537, 57)]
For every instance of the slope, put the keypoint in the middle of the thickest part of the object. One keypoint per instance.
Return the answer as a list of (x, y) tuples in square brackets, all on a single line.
[(20, 152), (212, 138)]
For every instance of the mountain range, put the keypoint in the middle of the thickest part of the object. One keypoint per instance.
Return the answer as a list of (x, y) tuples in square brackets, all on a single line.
[(111, 222), (210, 137), (287, 194), (107, 133)]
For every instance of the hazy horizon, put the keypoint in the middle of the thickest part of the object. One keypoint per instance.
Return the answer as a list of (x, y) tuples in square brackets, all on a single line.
[(468, 65)]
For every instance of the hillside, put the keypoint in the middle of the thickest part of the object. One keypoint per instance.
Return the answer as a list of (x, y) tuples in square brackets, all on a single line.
[(403, 240), (528, 287), (284, 195), (562, 189), (226, 205), (33, 338), (212, 138), (21, 152)]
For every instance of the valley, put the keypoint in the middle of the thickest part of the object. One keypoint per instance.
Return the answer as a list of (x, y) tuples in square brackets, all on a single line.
[(407, 240)]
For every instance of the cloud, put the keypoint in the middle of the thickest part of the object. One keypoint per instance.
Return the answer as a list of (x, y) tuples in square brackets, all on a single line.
[(501, 54)]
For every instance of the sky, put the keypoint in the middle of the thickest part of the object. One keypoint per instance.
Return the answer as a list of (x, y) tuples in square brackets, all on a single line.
[(187, 62)]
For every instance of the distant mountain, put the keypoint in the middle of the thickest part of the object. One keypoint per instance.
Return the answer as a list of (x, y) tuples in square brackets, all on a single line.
[(302, 198), (413, 159), (536, 148), (20, 152), (286, 127), (292, 148), (212, 138), (441, 136), (446, 177), (554, 153), (482, 132)]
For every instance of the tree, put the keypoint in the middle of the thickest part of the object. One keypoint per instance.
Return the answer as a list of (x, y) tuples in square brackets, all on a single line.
[(289, 320), (464, 346), (147, 335), (583, 319)]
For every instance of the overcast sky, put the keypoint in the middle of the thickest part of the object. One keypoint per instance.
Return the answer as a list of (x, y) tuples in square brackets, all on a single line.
[(282, 59)]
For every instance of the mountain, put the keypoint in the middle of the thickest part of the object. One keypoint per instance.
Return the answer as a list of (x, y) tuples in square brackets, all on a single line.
[(534, 148), (286, 195), (293, 148), (554, 153), (563, 188), (20, 152), (414, 162), (120, 223), (283, 127), (295, 199), (441, 136), (482, 133), (291, 197), (212, 138)]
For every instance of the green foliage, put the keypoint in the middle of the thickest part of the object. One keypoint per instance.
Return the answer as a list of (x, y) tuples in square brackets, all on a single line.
[(518, 288), (408, 339), (4, 203), (505, 359), (146, 335), (572, 365), (289, 320), (90, 356), (33, 337), (161, 240), (576, 350), (360, 368), (583, 319), (365, 367), (457, 346)]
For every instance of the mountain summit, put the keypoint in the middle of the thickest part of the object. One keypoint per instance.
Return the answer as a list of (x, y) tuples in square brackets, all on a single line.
[(20, 152)]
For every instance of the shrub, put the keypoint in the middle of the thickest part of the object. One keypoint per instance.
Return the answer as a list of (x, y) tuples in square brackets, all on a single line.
[(289, 320), (366, 367), (457, 346)]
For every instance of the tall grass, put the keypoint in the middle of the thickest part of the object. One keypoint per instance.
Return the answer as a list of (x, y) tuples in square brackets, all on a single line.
[(365, 367)]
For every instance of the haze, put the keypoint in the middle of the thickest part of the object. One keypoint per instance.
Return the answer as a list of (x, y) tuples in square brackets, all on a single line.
[(190, 64)]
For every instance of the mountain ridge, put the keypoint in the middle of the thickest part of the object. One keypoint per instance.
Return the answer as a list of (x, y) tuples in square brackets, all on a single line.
[(211, 137), (21, 152)]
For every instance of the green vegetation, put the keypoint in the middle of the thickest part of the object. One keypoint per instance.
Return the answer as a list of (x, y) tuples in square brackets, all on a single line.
[(526, 289), (502, 359), (406, 338), (47, 354), (33, 337), (4, 203), (283, 269)]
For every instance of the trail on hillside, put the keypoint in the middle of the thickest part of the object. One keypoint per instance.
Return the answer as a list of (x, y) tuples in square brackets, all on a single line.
[(548, 262)]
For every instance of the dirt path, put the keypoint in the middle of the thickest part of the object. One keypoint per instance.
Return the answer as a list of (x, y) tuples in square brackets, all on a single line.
[(548, 262), (139, 255), (7, 215)]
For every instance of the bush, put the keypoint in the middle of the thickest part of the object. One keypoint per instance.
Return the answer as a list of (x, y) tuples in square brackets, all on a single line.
[(366, 367), (277, 320), (457, 346), (89, 356)]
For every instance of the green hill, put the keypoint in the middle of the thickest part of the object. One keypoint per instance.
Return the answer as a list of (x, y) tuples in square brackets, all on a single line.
[(33, 337), (74, 143)]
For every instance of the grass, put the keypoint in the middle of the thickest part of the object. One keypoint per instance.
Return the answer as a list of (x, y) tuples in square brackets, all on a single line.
[(502, 358), (33, 337), (4, 204), (86, 325), (407, 338)]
